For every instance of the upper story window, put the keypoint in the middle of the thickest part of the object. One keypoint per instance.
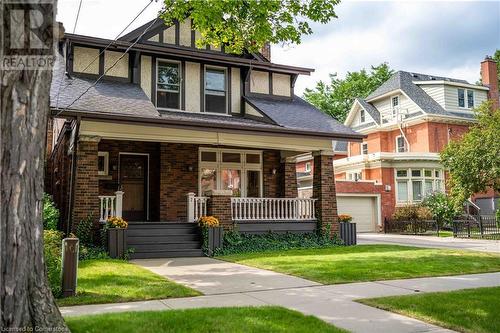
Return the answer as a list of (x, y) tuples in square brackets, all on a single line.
[(168, 88), (308, 167), (362, 116), (401, 144), (364, 148), (470, 99), (215, 90), (461, 98), (395, 101)]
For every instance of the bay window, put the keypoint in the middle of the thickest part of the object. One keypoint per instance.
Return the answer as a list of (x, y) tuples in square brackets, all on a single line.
[(229, 169), (168, 88), (413, 185)]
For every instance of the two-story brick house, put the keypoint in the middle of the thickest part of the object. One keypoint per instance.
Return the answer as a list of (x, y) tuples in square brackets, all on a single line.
[(173, 132), (407, 121)]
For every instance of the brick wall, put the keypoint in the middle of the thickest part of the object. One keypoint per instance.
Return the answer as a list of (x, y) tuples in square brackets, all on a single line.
[(220, 207), (324, 191), (178, 177), (271, 161), (86, 182), (289, 179)]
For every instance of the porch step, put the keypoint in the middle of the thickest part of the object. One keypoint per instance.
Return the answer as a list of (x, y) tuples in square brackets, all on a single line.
[(163, 239)]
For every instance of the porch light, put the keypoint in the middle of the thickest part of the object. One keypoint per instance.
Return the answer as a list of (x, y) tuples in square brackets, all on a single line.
[(273, 171), (190, 168)]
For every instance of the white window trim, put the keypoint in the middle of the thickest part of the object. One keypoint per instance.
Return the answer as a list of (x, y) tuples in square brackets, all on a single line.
[(362, 116), (407, 149), (392, 101), (351, 175), (436, 181), (226, 90), (179, 63), (362, 150), (466, 99), (307, 167), (105, 154), (243, 166)]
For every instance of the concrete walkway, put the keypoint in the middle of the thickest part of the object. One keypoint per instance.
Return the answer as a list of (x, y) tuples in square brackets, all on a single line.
[(482, 245), (333, 303)]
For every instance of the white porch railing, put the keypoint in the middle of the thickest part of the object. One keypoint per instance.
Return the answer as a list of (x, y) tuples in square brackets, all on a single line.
[(110, 205), (196, 207), (273, 209)]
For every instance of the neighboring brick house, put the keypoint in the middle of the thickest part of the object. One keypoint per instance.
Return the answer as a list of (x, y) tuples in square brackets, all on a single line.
[(183, 131), (407, 121)]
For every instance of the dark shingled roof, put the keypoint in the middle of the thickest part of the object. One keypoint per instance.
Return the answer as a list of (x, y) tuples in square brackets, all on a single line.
[(111, 98), (298, 114)]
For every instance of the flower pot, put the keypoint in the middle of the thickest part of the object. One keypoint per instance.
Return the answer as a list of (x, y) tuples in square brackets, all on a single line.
[(213, 239), (117, 242)]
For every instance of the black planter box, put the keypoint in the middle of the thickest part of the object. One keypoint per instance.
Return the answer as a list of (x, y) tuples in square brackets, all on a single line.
[(348, 233), (215, 239), (117, 243)]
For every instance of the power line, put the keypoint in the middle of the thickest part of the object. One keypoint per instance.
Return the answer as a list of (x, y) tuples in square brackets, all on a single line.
[(102, 51), (113, 65), (77, 15)]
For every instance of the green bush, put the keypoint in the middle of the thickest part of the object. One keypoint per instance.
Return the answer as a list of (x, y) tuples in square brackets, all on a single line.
[(85, 231), (92, 252), (442, 208), (412, 213), (50, 213), (235, 242), (52, 252)]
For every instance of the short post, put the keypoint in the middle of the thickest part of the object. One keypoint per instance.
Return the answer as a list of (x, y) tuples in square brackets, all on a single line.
[(190, 206), (119, 203), (69, 266)]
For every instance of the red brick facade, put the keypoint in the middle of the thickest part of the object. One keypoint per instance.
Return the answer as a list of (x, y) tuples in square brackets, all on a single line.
[(289, 179), (324, 191), (220, 207)]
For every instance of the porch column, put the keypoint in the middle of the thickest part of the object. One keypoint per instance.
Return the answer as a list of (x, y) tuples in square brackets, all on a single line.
[(219, 205), (289, 182), (324, 189), (86, 191)]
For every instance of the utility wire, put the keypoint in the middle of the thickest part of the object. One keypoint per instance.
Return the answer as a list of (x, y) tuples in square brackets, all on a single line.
[(77, 15), (102, 51), (113, 65)]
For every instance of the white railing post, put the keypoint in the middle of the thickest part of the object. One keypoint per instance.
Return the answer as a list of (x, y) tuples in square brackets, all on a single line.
[(272, 209), (190, 206), (118, 203)]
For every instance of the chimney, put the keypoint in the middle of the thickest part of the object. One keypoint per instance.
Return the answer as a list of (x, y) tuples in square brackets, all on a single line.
[(266, 51), (489, 77)]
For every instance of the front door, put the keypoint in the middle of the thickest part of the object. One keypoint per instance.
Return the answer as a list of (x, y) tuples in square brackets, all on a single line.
[(133, 179)]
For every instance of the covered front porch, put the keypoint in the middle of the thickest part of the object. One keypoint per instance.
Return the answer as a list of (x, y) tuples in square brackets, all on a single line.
[(247, 180)]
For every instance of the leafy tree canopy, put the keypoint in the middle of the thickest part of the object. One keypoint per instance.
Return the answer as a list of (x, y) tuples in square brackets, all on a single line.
[(337, 97), (474, 161), (248, 25)]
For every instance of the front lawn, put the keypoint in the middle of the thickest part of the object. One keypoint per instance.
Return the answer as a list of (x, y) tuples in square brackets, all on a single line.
[(343, 264), (231, 320), (471, 310), (112, 281)]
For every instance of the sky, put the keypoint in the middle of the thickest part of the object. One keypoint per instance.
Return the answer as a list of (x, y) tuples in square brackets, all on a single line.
[(442, 38)]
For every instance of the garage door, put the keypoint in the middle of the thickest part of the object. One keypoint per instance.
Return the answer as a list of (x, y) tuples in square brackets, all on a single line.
[(362, 210)]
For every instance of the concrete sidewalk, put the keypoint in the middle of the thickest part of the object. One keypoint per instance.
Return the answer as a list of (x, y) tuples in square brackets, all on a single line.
[(333, 303), (482, 245)]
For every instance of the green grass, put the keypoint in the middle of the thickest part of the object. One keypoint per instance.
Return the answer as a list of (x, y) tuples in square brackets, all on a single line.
[(231, 320), (471, 310), (113, 281), (345, 264)]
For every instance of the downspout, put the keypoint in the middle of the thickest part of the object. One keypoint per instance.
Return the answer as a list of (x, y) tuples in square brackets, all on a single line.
[(74, 161)]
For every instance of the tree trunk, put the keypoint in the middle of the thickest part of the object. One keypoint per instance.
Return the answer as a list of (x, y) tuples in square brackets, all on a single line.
[(26, 299)]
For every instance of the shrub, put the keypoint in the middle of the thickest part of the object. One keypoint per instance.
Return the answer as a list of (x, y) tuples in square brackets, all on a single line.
[(345, 218), (50, 213), (441, 207), (92, 252), (85, 231), (235, 242), (412, 213), (52, 252)]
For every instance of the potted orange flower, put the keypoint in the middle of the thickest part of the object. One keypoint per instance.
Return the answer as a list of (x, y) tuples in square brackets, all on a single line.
[(117, 236), (212, 234)]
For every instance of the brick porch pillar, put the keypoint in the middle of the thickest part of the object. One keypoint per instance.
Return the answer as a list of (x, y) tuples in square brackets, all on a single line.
[(289, 177), (324, 190), (86, 189), (219, 205)]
